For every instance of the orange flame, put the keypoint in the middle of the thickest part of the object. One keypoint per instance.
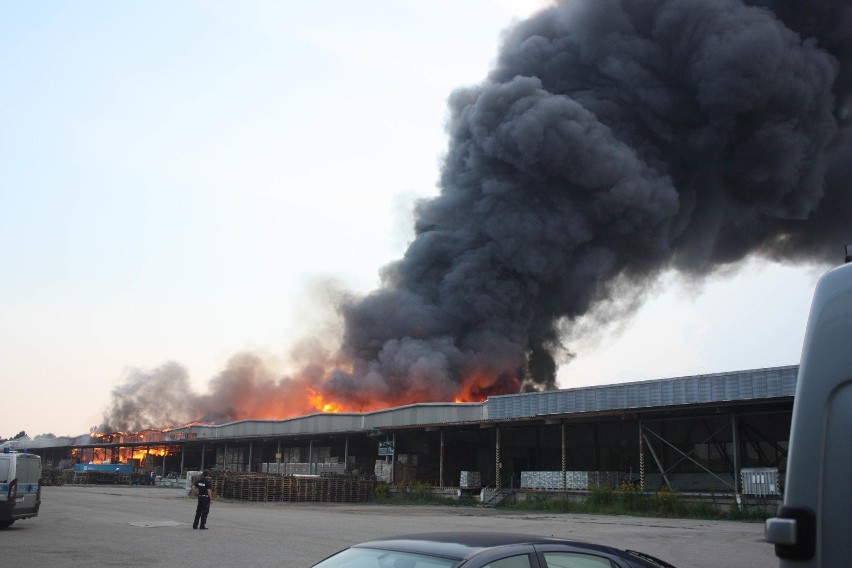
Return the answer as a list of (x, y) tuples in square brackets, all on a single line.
[(476, 387), (307, 393), (318, 402)]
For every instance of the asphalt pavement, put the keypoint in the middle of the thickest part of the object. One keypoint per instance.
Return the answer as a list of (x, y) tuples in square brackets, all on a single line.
[(105, 526)]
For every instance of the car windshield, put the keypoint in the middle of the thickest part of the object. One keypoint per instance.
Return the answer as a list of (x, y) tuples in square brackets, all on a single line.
[(374, 558)]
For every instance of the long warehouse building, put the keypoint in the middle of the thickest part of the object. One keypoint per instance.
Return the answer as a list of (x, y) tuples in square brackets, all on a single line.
[(707, 433)]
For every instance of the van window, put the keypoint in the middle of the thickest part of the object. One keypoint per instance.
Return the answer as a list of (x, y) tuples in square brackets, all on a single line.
[(4, 469), (29, 469)]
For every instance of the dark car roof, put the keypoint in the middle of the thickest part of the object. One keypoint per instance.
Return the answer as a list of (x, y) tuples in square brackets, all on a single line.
[(461, 545)]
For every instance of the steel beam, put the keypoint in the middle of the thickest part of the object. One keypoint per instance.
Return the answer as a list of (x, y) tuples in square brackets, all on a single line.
[(676, 449), (656, 459)]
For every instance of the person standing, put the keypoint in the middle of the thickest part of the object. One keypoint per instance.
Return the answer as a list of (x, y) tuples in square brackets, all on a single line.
[(205, 497)]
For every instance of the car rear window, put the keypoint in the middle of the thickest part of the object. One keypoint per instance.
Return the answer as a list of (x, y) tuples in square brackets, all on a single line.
[(521, 561), (375, 558), (575, 560)]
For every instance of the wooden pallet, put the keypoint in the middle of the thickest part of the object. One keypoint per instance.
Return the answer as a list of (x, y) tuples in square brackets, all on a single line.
[(287, 488)]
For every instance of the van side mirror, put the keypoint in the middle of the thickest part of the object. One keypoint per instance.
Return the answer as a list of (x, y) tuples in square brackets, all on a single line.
[(793, 532)]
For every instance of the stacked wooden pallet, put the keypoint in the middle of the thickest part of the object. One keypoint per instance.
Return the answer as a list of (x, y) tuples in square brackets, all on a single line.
[(52, 476), (275, 488), (80, 477)]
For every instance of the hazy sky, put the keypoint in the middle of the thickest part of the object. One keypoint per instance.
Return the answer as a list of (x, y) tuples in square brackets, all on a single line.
[(176, 176)]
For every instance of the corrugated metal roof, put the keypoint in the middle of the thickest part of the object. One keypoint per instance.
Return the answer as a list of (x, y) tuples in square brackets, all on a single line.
[(403, 416), (679, 391), (701, 389)]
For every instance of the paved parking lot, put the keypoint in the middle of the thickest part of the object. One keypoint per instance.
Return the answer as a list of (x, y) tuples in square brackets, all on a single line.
[(84, 526)]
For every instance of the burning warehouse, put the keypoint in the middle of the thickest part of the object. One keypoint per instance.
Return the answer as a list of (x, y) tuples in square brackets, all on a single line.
[(702, 433), (612, 142)]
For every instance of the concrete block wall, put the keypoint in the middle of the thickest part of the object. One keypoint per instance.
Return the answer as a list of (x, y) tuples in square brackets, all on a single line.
[(579, 480)]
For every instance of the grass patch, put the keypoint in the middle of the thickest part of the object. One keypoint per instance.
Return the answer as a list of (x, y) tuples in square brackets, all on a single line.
[(600, 500), (416, 494), (629, 500)]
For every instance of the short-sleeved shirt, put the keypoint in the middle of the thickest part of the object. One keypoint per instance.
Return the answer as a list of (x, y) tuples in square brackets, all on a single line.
[(203, 485)]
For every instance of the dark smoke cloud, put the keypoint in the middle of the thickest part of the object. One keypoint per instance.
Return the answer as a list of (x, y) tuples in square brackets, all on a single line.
[(829, 24), (614, 140), (150, 399), (247, 388)]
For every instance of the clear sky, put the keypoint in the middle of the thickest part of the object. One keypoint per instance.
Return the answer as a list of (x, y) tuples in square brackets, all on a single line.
[(176, 176)]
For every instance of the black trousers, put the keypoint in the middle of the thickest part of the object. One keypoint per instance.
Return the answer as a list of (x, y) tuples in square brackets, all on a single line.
[(201, 511)]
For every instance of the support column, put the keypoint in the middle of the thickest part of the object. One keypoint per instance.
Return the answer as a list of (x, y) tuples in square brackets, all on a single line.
[(203, 451), (182, 447), (564, 457), (498, 466), (735, 439), (251, 447), (641, 459), (278, 458), (311, 457), (596, 453), (345, 453), (441, 463)]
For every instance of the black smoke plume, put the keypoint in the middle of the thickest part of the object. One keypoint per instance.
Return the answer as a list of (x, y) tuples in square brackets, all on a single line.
[(614, 139)]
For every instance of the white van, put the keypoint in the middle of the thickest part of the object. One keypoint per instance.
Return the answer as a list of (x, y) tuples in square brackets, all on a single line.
[(20, 487), (812, 529)]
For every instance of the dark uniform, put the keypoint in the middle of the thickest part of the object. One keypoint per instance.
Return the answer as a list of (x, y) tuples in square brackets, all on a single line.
[(205, 495)]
